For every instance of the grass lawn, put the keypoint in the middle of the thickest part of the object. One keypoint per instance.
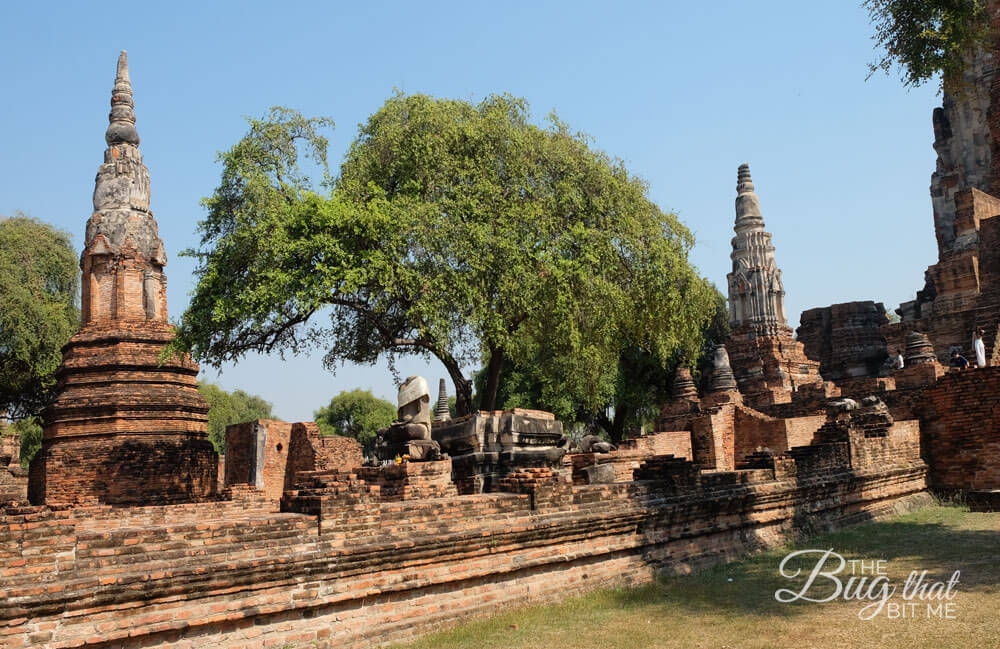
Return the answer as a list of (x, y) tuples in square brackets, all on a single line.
[(733, 606)]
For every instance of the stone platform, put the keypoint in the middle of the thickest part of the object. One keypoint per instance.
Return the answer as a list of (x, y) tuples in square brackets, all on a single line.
[(486, 446)]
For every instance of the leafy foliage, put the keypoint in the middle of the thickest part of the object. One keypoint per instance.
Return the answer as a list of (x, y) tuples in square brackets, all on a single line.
[(227, 408), (640, 385), (358, 414), (927, 37), (457, 231), (39, 280), (30, 430)]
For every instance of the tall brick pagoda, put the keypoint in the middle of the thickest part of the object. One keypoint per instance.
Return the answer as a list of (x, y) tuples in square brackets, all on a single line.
[(127, 427), (767, 360)]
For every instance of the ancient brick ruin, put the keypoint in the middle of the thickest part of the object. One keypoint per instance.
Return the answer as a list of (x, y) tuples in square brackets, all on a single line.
[(133, 540), (13, 477), (768, 362), (124, 413)]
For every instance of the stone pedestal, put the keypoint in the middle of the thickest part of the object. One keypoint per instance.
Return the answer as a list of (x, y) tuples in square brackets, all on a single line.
[(918, 376), (486, 446), (592, 468), (125, 429), (411, 480)]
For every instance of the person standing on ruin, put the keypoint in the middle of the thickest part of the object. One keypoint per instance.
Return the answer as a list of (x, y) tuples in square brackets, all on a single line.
[(979, 347), (898, 361)]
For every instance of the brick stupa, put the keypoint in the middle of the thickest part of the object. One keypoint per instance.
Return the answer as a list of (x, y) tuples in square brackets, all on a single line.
[(127, 427), (768, 362)]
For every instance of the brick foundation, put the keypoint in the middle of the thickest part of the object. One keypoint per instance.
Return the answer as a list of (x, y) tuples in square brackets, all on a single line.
[(358, 571)]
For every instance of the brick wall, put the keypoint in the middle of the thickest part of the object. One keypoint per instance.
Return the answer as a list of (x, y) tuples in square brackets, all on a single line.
[(961, 430), (672, 442), (124, 469), (358, 572), (268, 454), (845, 338)]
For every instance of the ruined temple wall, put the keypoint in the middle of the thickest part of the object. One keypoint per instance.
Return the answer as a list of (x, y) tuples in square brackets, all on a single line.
[(267, 454), (676, 443), (799, 431), (124, 469), (899, 445), (961, 430), (754, 431), (333, 452), (713, 438), (369, 573), (846, 339)]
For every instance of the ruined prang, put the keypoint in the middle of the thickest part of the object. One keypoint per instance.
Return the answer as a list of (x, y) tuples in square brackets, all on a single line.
[(129, 425), (769, 364), (756, 295)]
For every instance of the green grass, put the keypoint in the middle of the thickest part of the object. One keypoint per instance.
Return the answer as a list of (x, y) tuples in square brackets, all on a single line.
[(730, 606)]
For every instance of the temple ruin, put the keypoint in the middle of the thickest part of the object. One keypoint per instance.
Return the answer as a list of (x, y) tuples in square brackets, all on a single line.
[(123, 412), (138, 536), (770, 365)]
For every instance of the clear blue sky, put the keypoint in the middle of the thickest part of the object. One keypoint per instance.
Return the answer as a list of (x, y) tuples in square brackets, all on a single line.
[(683, 92)]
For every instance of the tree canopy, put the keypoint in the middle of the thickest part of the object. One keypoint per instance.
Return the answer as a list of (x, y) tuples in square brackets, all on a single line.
[(458, 231), (227, 408), (358, 414), (639, 385), (39, 280), (927, 37)]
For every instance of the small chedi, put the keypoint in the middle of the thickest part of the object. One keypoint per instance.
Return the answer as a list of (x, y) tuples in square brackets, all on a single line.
[(409, 437), (128, 426), (441, 411)]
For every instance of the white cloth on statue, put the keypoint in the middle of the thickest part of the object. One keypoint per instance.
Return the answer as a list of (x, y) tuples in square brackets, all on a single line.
[(977, 344)]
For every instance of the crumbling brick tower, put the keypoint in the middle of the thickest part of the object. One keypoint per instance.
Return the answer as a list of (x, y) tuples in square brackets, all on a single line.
[(769, 364), (962, 290), (127, 427)]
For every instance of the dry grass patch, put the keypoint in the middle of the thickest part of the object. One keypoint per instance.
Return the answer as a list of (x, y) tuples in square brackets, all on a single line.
[(733, 605)]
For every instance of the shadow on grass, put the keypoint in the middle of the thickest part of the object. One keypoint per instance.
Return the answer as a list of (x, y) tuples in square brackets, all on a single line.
[(930, 539)]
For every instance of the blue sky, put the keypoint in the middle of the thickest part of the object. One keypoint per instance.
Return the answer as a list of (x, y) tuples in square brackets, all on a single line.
[(683, 92)]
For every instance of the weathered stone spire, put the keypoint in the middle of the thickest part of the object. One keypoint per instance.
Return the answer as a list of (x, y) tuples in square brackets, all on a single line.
[(122, 118), (123, 256), (748, 215), (756, 294), (441, 410)]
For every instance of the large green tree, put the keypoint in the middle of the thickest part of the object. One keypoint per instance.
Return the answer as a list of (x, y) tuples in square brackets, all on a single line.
[(928, 37), (458, 231), (358, 414), (640, 384), (39, 280), (227, 408)]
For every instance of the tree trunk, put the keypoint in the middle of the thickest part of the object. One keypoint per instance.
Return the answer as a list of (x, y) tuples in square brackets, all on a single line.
[(617, 432), (489, 400), (463, 395)]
